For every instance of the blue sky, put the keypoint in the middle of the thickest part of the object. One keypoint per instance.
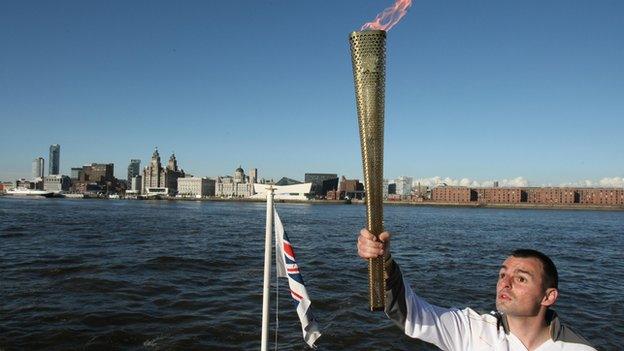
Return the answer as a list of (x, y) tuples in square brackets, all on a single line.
[(481, 90)]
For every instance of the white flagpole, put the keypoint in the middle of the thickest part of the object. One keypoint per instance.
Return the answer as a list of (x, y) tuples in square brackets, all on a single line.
[(267, 270)]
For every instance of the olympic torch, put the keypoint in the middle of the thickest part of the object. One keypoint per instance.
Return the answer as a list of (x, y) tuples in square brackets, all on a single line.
[(369, 60)]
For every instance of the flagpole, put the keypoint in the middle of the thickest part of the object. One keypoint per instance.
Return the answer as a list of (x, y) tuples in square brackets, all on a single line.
[(267, 270)]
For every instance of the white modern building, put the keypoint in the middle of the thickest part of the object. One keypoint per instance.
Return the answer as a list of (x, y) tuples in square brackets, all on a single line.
[(283, 192), (56, 183), (196, 187), (404, 185), (156, 191)]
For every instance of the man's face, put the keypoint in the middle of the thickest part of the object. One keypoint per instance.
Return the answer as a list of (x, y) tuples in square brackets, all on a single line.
[(519, 291)]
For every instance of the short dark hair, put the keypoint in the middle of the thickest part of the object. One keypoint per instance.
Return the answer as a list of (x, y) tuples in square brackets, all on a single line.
[(550, 276)]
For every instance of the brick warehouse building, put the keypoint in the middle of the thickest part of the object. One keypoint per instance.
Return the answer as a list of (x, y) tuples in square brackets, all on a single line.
[(500, 195), (552, 195), (453, 194), (601, 196), (532, 195)]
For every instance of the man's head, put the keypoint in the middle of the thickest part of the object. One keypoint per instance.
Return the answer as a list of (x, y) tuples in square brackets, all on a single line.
[(527, 283)]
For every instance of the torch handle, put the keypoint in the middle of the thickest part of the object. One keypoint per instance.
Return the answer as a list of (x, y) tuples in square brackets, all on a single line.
[(376, 283)]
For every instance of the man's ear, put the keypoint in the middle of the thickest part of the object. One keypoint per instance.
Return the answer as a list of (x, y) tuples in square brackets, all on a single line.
[(550, 297)]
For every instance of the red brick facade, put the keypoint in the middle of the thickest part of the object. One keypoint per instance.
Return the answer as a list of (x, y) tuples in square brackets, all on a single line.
[(547, 196), (499, 195), (451, 194), (601, 196), (552, 195)]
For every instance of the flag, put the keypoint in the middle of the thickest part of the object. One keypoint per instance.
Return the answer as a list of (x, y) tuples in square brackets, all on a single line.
[(286, 265)]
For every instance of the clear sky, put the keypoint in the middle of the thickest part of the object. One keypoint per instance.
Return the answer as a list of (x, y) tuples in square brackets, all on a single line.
[(482, 90)]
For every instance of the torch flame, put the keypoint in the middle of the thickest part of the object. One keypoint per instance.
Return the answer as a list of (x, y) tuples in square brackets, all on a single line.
[(390, 16)]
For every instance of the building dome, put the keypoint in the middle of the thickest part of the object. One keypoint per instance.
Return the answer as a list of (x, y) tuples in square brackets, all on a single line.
[(239, 175)]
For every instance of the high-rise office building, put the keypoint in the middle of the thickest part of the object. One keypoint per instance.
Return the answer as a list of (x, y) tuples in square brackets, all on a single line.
[(38, 168), (55, 159), (134, 169)]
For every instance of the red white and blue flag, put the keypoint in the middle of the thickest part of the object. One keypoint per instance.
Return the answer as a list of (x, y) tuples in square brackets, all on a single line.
[(286, 264)]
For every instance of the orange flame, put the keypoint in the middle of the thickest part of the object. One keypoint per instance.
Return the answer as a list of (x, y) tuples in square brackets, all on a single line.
[(390, 16)]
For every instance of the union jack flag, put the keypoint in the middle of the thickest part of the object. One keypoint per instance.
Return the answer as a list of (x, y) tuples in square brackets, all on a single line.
[(286, 265)]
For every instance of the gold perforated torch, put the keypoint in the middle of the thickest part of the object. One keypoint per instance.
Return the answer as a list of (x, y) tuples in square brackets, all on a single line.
[(368, 55)]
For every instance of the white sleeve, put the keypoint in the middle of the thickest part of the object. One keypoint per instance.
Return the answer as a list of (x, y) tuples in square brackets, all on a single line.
[(448, 329)]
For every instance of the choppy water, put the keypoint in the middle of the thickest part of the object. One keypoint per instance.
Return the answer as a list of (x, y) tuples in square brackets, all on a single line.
[(142, 275)]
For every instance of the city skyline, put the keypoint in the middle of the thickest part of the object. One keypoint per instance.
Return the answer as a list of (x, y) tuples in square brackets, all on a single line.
[(607, 182), (523, 92)]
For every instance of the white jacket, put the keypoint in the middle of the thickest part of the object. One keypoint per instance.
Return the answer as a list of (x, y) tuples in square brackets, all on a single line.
[(454, 329)]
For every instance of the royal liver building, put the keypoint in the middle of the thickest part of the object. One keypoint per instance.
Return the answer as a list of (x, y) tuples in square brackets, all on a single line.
[(157, 179)]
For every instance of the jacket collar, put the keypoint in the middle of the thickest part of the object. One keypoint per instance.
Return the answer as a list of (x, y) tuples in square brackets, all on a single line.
[(552, 320)]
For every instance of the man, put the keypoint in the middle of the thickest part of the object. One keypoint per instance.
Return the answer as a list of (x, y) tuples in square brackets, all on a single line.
[(526, 288)]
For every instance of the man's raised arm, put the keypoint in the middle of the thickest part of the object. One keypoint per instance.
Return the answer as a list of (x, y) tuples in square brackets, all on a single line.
[(445, 328)]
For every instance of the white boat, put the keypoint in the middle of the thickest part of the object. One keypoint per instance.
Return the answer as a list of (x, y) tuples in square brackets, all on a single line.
[(29, 192)]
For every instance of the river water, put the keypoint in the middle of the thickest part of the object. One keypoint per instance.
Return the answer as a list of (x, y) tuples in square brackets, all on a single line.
[(164, 275)]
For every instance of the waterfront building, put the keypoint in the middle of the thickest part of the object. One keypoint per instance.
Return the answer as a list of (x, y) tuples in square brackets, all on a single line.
[(601, 196), (56, 183), (531, 195), (551, 195), (94, 178), (420, 192), (98, 173), (135, 184), (196, 187), (253, 175), (23, 183), (55, 159), (76, 173), (299, 191), (384, 189), (453, 194), (321, 183), (155, 176), (172, 174), (38, 168), (156, 191), (392, 189), (350, 188), (234, 186), (403, 186), (134, 169), (496, 195), (287, 181)]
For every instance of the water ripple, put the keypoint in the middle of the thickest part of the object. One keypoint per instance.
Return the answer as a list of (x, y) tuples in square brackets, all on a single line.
[(160, 275)]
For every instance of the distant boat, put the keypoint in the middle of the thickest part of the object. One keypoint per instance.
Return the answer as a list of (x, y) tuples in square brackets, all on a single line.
[(29, 192)]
